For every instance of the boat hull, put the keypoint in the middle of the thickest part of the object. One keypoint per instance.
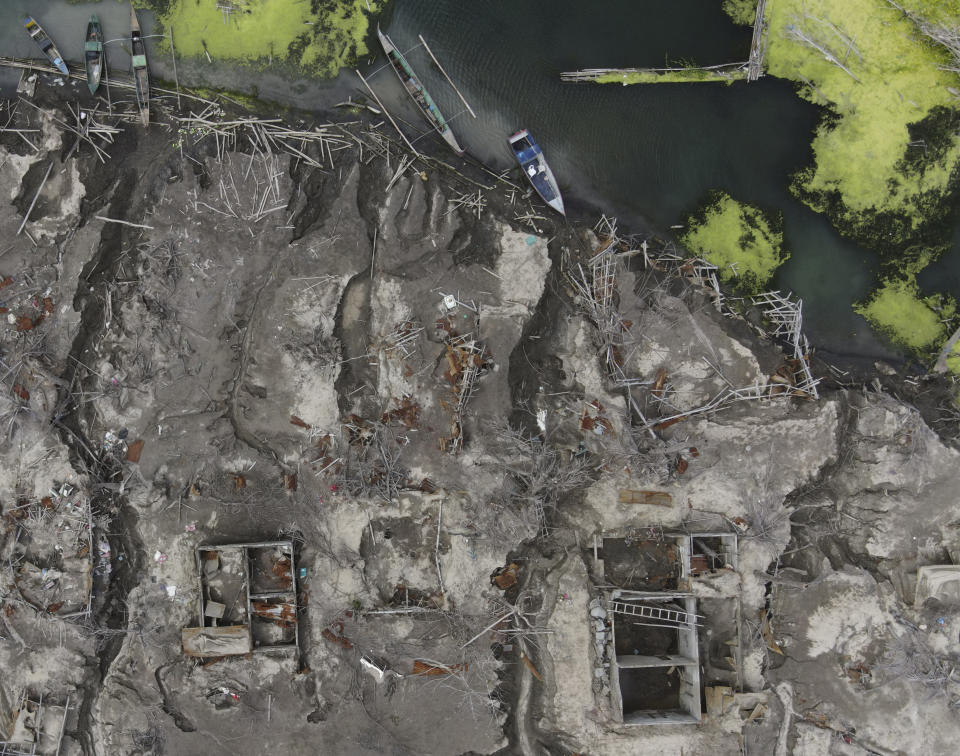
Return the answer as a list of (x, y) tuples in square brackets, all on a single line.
[(93, 54), (44, 42), (418, 93), (535, 168), (141, 75)]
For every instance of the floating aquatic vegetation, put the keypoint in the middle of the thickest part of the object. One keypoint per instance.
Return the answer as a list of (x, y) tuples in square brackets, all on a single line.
[(881, 80), (898, 310), (743, 241), (317, 38)]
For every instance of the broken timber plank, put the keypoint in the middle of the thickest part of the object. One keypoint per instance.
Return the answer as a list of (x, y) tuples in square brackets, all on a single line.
[(650, 498), (231, 640)]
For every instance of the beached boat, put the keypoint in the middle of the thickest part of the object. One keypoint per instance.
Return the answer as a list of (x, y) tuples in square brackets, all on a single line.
[(46, 44), (93, 53), (141, 77), (534, 165), (417, 92)]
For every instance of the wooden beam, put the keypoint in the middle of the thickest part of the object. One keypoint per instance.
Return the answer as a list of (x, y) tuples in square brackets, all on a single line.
[(387, 114), (173, 56), (123, 222), (35, 198)]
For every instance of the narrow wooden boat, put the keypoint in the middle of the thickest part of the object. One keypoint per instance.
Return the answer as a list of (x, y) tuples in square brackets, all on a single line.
[(39, 36), (417, 92), (534, 165), (93, 53), (141, 76)]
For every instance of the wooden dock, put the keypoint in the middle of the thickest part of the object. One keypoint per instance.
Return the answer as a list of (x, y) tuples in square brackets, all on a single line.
[(751, 70), (758, 46), (724, 72)]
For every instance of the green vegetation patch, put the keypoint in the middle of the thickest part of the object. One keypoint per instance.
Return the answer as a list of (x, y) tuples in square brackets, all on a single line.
[(743, 241), (316, 37), (899, 311), (872, 67), (659, 76), (743, 12), (953, 362)]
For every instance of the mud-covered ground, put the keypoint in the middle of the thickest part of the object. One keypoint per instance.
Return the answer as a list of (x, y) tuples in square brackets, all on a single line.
[(262, 350)]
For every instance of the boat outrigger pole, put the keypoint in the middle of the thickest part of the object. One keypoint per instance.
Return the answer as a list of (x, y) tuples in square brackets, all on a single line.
[(464, 99), (387, 113)]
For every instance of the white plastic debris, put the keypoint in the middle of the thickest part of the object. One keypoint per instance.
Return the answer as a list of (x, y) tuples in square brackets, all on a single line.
[(376, 670)]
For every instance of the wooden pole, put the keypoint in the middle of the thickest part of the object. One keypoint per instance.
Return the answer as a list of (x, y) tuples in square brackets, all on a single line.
[(173, 56), (387, 114), (427, 48), (125, 223), (35, 198), (106, 80)]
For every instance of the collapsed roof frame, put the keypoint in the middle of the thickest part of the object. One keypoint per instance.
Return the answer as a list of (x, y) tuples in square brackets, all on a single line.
[(18, 747)]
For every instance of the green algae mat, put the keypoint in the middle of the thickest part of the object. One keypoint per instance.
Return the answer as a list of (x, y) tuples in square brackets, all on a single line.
[(317, 37), (886, 157), (887, 153), (744, 242)]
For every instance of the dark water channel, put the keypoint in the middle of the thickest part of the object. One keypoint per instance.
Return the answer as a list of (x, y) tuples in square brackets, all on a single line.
[(647, 154)]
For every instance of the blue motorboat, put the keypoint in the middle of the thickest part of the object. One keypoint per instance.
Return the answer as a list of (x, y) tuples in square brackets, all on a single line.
[(534, 165)]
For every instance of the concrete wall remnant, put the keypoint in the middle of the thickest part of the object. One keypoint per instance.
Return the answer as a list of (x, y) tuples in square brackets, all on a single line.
[(248, 600), (654, 657), (36, 727), (939, 581)]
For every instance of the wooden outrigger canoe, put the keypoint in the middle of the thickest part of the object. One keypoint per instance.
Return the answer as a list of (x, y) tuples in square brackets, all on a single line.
[(43, 40), (417, 92), (93, 56), (141, 76)]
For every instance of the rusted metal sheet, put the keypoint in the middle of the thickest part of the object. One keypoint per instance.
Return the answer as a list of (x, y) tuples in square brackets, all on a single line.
[(432, 669), (339, 640), (659, 382), (529, 664), (506, 577), (698, 564), (650, 498), (135, 450), (283, 613), (281, 570), (233, 640)]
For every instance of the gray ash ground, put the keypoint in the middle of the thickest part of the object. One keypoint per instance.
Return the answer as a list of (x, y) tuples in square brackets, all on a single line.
[(271, 358)]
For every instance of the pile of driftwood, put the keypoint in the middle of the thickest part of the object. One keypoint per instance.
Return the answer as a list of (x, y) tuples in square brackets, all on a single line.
[(264, 136)]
